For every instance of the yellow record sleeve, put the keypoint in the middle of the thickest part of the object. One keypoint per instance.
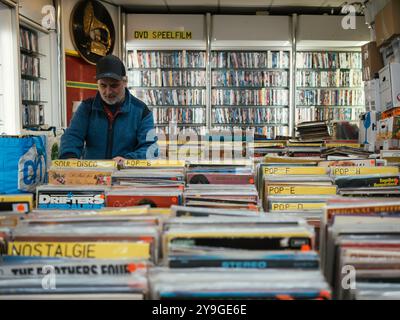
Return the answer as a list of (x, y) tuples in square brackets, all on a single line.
[(86, 250), (153, 163), (295, 170), (300, 190), (98, 164), (359, 171), (277, 206)]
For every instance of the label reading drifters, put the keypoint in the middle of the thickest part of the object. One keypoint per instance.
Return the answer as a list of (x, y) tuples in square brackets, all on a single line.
[(162, 35), (295, 170), (300, 190), (89, 250), (359, 171), (77, 200), (83, 164)]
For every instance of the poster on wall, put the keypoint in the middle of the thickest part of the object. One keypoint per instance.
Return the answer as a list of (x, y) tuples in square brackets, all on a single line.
[(92, 30), (81, 82)]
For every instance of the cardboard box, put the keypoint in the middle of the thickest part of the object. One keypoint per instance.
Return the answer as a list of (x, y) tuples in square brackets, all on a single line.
[(387, 22), (390, 113), (389, 128), (372, 61), (368, 130), (391, 144), (372, 96), (389, 86), (391, 52)]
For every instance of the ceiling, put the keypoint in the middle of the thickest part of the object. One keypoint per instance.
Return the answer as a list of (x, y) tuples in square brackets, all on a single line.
[(233, 6)]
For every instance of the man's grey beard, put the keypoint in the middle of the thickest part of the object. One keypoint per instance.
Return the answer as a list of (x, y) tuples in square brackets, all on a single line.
[(115, 101)]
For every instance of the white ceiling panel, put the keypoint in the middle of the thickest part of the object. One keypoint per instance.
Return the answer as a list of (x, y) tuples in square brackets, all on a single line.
[(192, 3), (172, 6), (249, 3), (232, 3), (141, 3)]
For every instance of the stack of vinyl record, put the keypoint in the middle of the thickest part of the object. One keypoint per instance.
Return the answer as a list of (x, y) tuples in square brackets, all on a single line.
[(367, 181), (149, 178), (224, 184), (148, 174), (158, 183), (338, 172), (79, 176), (27, 278), (155, 197), (183, 211), (305, 185), (76, 185), (13, 207), (304, 149), (92, 254), (345, 152), (391, 156), (220, 174), (72, 197), (81, 172), (85, 239), (93, 184), (261, 148), (359, 248), (222, 196), (313, 131), (224, 254), (214, 241), (303, 191), (211, 283)]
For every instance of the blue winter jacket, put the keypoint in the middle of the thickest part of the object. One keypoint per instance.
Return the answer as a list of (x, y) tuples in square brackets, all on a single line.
[(90, 136)]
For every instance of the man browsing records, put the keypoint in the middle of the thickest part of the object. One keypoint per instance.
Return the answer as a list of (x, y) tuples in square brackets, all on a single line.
[(113, 124)]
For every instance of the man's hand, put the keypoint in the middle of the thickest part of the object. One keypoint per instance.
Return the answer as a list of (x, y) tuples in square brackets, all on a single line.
[(119, 160)]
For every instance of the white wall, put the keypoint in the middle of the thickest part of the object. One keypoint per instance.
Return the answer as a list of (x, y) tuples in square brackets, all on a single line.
[(10, 110), (326, 31), (164, 22), (248, 31), (372, 8), (68, 6), (32, 9)]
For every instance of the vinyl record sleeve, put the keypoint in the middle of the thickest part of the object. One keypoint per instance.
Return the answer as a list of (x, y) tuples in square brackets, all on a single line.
[(88, 164), (66, 197)]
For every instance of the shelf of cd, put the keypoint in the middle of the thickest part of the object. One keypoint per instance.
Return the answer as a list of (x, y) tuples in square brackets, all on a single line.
[(251, 106), (329, 80), (238, 124), (249, 87), (32, 102), (177, 106), (35, 85), (329, 69), (30, 77), (330, 106), (251, 69), (161, 68), (325, 88), (30, 52), (180, 125), (163, 88), (171, 82)]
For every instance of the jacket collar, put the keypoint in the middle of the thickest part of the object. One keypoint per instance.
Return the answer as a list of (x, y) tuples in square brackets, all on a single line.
[(97, 105)]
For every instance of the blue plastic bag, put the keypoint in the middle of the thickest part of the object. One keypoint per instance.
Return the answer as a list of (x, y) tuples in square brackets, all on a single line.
[(22, 163)]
